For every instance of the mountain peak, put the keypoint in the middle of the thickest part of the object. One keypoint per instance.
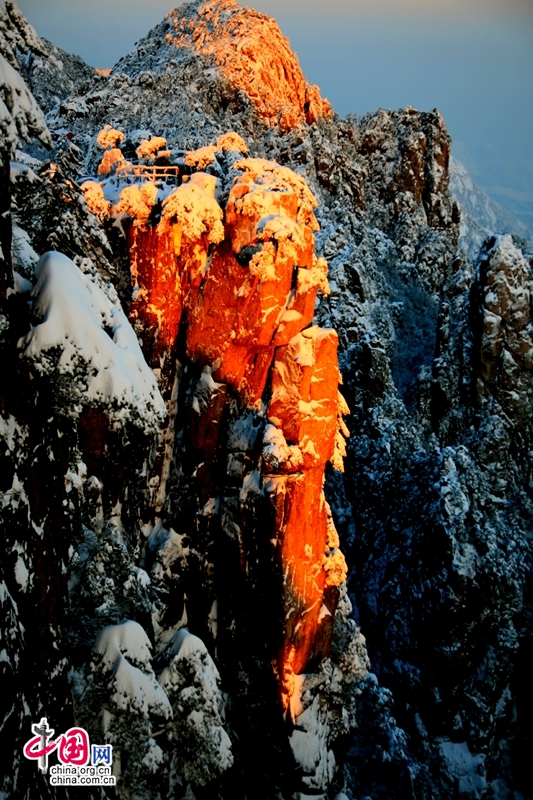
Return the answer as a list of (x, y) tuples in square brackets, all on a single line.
[(251, 52)]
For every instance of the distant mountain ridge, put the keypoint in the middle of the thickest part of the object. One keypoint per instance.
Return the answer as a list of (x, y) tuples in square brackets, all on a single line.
[(481, 215)]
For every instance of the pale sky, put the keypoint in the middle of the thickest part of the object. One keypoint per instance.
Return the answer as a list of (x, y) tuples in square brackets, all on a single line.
[(472, 59)]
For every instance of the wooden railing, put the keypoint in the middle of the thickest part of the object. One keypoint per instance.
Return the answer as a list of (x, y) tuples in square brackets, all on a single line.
[(127, 170)]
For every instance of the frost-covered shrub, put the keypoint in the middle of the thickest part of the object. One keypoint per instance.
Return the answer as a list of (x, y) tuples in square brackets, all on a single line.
[(195, 209), (232, 141), (191, 681), (150, 148), (202, 157), (137, 202), (110, 159), (96, 201), (109, 137), (105, 585)]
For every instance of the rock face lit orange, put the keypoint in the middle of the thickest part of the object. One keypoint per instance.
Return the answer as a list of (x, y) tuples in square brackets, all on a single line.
[(303, 407), (239, 287), (250, 51), (254, 295), (158, 289)]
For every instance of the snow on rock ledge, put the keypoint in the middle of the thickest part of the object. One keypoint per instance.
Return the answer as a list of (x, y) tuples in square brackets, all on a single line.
[(83, 337)]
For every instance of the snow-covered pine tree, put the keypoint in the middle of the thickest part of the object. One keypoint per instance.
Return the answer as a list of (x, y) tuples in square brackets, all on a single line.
[(70, 158), (130, 706), (105, 586), (201, 748), (51, 207)]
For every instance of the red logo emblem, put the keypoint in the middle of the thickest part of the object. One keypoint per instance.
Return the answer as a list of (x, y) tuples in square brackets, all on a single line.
[(74, 747)]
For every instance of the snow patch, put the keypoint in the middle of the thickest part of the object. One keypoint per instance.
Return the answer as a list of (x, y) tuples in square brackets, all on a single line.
[(21, 573), (468, 769)]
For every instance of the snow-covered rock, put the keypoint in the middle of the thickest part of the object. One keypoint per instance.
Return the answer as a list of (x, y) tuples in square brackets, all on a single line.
[(82, 338)]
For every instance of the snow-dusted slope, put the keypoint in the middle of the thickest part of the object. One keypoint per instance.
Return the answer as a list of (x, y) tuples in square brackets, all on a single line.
[(21, 119), (191, 78), (50, 72), (20, 115), (81, 338)]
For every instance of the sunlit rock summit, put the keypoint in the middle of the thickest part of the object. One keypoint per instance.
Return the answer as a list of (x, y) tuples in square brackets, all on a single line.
[(265, 426), (252, 55)]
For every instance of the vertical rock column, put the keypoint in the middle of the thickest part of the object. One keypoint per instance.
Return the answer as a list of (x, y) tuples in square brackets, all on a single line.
[(240, 298), (304, 408)]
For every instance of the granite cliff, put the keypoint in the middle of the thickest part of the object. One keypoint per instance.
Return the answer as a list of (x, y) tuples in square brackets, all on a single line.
[(201, 530)]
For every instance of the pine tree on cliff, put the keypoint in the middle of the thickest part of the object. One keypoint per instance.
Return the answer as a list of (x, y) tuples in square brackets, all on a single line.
[(128, 706), (200, 748)]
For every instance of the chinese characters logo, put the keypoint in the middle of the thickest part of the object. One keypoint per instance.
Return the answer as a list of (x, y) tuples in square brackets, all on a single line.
[(73, 752)]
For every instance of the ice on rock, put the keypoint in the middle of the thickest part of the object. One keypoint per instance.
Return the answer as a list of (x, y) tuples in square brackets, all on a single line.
[(83, 333)]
